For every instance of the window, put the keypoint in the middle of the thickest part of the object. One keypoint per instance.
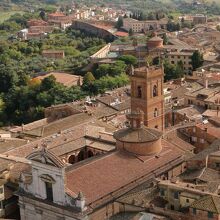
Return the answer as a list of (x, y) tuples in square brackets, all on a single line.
[(162, 192), (155, 112), (155, 92), (1, 190), (194, 139), (217, 165), (202, 141), (210, 215), (176, 195), (187, 200), (139, 92), (49, 191), (194, 211)]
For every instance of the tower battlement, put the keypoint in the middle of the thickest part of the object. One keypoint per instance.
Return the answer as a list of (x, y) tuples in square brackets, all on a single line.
[(147, 72)]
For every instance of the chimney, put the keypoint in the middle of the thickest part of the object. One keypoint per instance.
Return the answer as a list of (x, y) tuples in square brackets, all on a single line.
[(206, 83)]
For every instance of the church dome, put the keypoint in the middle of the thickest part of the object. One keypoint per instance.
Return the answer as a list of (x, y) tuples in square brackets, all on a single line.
[(140, 135), (155, 42), (138, 139)]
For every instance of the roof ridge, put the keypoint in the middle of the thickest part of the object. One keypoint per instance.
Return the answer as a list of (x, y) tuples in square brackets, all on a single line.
[(203, 170)]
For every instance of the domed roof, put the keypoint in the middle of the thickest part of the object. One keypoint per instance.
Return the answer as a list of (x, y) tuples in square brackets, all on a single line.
[(140, 135), (156, 38)]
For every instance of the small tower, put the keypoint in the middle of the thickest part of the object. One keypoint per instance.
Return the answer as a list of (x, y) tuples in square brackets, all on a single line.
[(147, 95)]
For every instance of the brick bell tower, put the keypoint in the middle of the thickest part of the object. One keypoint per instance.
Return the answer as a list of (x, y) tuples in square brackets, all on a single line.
[(147, 94)]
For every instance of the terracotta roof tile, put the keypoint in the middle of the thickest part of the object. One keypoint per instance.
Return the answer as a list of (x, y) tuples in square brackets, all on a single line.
[(110, 173), (208, 203)]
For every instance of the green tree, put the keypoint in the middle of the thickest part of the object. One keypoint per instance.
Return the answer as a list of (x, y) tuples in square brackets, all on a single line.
[(197, 60), (179, 70), (119, 23), (8, 78), (169, 71), (130, 32), (129, 59), (102, 70), (88, 78), (165, 39), (48, 83), (42, 15)]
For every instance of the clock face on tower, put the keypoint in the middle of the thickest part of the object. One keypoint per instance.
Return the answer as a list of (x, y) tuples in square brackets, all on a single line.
[(147, 95)]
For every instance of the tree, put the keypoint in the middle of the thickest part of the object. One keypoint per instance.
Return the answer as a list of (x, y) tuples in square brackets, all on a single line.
[(141, 17), (102, 70), (42, 15), (165, 39), (129, 59), (130, 32), (119, 23), (88, 78), (173, 71), (8, 78), (179, 70), (197, 60), (48, 83)]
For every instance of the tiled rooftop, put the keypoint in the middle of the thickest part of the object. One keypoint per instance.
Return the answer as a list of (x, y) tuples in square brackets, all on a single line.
[(121, 168)]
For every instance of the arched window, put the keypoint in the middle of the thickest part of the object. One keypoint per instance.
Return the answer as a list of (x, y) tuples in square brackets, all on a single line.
[(90, 154), (155, 92), (81, 155), (72, 159), (139, 92), (155, 112)]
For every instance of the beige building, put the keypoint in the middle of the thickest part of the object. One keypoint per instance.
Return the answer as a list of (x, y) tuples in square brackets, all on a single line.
[(199, 19), (180, 56), (208, 98), (142, 26)]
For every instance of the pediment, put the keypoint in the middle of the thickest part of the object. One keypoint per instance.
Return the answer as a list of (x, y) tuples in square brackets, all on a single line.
[(46, 157)]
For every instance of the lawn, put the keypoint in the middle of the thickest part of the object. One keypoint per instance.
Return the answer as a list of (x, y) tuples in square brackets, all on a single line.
[(4, 15)]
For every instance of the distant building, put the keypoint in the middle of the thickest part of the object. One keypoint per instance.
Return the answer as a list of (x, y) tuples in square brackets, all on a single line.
[(142, 26), (64, 78), (208, 98), (185, 57), (60, 19), (175, 51), (199, 19), (36, 22)]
